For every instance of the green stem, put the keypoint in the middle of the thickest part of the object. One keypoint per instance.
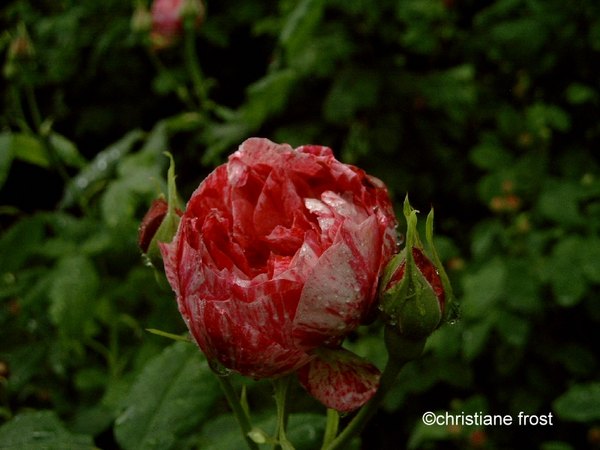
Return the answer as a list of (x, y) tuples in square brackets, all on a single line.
[(331, 427), (281, 394), (238, 411), (400, 352), (180, 91), (193, 65), (366, 412), (36, 117)]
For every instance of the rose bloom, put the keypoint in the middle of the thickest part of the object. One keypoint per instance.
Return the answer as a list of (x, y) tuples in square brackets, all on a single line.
[(277, 258), (167, 19)]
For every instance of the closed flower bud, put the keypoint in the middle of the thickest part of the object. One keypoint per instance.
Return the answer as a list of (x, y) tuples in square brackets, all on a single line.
[(170, 17), (415, 290), (21, 47), (160, 222)]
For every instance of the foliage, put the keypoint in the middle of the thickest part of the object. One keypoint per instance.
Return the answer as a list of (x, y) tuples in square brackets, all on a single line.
[(485, 109)]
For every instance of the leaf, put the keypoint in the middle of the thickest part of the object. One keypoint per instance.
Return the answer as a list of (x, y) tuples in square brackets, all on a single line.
[(564, 271), (559, 202), (6, 156), (490, 154), (299, 25), (590, 258), (578, 93), (73, 293), (556, 445), (172, 396), (305, 431), (67, 151), (40, 430), (514, 329), (483, 288), (541, 116), (118, 203), (581, 403), (267, 96), (351, 91), (100, 168), (20, 242), (30, 149)]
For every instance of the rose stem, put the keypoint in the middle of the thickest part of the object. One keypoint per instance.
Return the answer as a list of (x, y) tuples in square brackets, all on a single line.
[(281, 393), (388, 377), (331, 427), (238, 411)]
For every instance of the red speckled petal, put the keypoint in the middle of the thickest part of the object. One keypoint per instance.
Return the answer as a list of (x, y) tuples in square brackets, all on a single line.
[(340, 379), (338, 292)]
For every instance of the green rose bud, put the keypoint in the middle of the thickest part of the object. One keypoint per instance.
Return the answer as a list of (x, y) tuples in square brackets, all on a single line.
[(161, 221), (415, 293)]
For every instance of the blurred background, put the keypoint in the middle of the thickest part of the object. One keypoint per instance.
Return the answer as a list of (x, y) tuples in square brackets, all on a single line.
[(485, 110)]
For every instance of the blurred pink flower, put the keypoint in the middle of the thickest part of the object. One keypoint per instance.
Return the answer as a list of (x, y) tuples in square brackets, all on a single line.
[(168, 17)]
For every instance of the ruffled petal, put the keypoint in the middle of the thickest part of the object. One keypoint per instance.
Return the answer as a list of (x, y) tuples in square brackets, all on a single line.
[(338, 294), (340, 379)]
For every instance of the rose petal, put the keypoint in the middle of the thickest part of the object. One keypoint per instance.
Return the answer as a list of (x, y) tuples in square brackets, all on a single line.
[(339, 292), (330, 305), (340, 379)]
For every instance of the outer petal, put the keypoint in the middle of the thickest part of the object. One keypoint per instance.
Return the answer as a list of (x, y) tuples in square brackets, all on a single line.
[(338, 293), (340, 379)]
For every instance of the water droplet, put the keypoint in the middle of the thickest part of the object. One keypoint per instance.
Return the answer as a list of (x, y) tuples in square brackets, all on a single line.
[(219, 368)]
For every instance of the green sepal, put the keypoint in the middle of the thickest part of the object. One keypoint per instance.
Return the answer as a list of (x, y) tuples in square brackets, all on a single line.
[(451, 311), (410, 306), (168, 227)]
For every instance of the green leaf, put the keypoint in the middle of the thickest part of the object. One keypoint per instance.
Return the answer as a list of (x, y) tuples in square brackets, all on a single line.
[(29, 148), (556, 445), (73, 293), (172, 396), (267, 96), (489, 154), (581, 403), (564, 271), (304, 431), (541, 116), (514, 329), (578, 93), (67, 151), (101, 167), (299, 25), (41, 430), (475, 339), (483, 288), (351, 91), (6, 156), (590, 259), (20, 242), (118, 203), (559, 202)]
